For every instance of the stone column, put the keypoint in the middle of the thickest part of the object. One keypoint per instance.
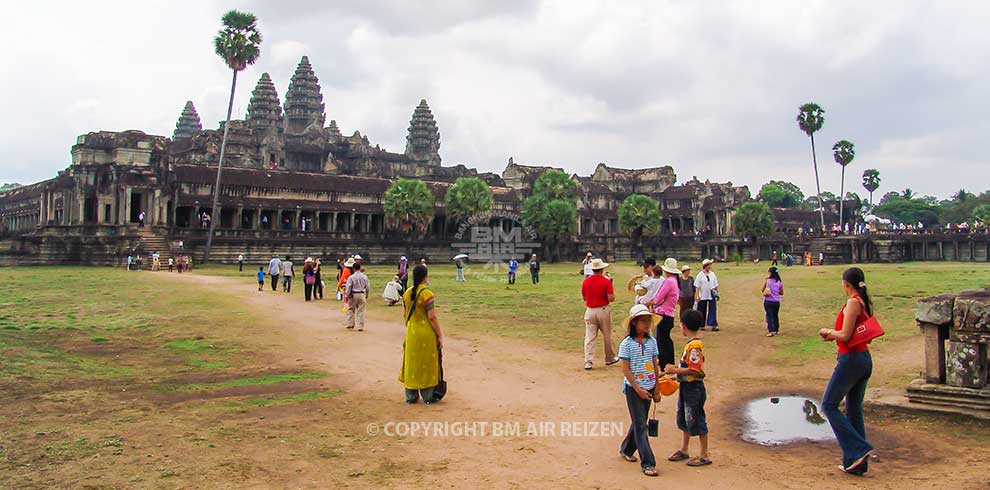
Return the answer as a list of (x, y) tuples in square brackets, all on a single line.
[(350, 223), (256, 222), (934, 316)]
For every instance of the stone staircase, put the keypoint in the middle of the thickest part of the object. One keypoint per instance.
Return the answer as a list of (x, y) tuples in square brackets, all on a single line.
[(151, 240)]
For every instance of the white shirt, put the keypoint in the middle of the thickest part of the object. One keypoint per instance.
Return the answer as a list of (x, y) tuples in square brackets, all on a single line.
[(705, 283), (652, 285), (240, 258)]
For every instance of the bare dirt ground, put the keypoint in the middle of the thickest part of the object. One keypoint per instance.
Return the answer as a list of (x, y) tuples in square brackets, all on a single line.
[(178, 440)]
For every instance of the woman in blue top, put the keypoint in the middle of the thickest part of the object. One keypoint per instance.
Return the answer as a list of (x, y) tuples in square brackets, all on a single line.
[(773, 289), (639, 355)]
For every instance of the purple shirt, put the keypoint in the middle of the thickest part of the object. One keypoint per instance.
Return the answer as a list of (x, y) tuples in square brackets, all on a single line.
[(775, 287), (666, 298)]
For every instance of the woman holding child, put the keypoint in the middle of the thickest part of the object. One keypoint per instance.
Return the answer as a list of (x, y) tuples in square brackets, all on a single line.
[(852, 373), (663, 304)]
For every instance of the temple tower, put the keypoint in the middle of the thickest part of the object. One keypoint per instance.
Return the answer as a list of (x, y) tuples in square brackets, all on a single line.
[(303, 101), (333, 132), (188, 124), (423, 140), (264, 117), (264, 111)]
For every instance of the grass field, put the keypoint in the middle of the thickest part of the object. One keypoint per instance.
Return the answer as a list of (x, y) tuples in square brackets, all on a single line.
[(98, 365), (551, 313)]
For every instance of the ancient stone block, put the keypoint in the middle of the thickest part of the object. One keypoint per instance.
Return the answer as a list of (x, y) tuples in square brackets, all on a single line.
[(966, 364), (936, 310), (934, 353), (971, 312)]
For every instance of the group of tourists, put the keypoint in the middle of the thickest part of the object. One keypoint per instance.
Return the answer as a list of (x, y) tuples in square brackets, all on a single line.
[(136, 262), (650, 370)]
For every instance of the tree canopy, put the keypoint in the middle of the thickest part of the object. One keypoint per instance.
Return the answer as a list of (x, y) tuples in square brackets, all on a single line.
[(238, 42), (639, 215), (902, 210), (871, 181), (810, 118), (469, 196), (552, 207), (982, 214), (408, 206), (754, 219), (780, 194)]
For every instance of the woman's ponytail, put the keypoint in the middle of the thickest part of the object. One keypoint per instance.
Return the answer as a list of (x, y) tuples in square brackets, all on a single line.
[(857, 279), (419, 275)]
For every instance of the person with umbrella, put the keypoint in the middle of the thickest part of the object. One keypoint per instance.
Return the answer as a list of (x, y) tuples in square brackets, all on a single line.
[(459, 263)]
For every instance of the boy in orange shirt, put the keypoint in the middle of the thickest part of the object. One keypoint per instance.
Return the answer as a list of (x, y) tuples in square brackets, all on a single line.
[(691, 398)]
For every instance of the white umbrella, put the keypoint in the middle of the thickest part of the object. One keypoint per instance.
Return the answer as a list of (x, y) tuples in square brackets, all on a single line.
[(460, 256)]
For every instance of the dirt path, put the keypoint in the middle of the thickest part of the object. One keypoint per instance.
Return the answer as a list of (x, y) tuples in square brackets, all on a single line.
[(495, 380)]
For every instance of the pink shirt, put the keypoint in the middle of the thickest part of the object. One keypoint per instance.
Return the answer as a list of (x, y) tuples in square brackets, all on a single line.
[(666, 298)]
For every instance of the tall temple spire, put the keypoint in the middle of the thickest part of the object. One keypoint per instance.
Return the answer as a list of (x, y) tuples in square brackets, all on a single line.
[(188, 124), (334, 131), (264, 111), (304, 102), (423, 140)]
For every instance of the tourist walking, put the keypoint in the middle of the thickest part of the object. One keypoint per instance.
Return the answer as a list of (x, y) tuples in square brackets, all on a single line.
[(287, 273), (141, 219), (534, 269), (393, 292), (240, 262), (663, 304), (639, 355), (318, 287), (706, 294), (420, 372), (774, 257), (851, 375), (598, 293), (130, 262), (586, 265), (773, 289), (340, 268), (459, 264), (309, 278), (274, 270), (403, 272), (171, 264), (356, 291), (344, 274), (513, 267), (261, 277), (685, 284)]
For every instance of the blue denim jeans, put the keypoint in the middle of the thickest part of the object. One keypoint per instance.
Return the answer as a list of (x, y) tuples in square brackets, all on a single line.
[(412, 396), (637, 439), (708, 307), (852, 372)]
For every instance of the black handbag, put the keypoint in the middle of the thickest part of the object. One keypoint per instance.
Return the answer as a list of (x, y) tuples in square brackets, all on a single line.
[(441, 389), (653, 425)]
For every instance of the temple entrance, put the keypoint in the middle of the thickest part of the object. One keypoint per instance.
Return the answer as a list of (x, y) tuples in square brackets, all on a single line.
[(89, 210), (247, 219), (267, 219), (324, 221), (168, 213), (285, 220), (136, 208), (184, 216), (227, 216), (306, 221), (343, 223)]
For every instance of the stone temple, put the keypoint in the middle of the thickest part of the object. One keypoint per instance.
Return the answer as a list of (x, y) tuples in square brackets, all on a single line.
[(286, 165)]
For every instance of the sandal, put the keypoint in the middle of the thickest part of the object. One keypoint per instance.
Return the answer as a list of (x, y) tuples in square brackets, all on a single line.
[(699, 461), (631, 459), (678, 456), (650, 472), (855, 466)]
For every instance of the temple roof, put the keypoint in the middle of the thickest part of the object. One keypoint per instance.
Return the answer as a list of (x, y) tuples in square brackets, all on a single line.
[(264, 110), (423, 140), (303, 101)]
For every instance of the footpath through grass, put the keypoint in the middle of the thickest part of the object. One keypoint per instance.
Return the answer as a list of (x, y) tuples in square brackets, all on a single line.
[(551, 313)]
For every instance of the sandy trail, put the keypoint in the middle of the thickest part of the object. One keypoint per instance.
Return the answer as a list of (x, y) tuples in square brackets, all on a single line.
[(492, 379)]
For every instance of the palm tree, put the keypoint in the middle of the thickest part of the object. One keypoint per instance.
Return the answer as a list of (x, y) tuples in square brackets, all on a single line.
[(810, 119), (843, 152), (409, 208), (907, 194), (469, 196), (238, 43), (871, 181), (638, 216)]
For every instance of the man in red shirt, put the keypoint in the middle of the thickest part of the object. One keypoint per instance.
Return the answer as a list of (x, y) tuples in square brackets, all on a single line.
[(597, 292)]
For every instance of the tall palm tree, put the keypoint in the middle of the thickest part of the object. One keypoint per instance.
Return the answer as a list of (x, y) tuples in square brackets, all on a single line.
[(843, 152), (810, 119), (239, 44), (871, 181)]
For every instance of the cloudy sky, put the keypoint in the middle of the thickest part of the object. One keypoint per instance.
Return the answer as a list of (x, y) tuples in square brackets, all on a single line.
[(711, 88)]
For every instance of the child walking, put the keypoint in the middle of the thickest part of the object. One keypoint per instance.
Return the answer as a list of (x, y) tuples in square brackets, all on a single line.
[(261, 278), (638, 353), (691, 400)]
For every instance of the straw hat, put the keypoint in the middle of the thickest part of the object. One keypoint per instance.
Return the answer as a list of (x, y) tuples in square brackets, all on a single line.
[(358, 257), (349, 263), (670, 266), (402, 259), (685, 268), (707, 262), (598, 264), (308, 259), (640, 310), (667, 386)]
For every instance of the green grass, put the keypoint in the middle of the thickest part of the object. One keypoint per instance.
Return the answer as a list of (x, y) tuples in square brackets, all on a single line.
[(241, 382), (190, 345), (281, 399), (208, 364)]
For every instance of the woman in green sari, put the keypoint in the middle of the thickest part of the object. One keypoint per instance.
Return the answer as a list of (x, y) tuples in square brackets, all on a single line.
[(421, 351)]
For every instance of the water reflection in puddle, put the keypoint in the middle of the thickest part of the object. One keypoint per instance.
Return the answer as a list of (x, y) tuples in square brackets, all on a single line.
[(786, 419)]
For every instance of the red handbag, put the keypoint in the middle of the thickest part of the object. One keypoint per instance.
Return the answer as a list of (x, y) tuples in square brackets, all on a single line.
[(865, 333)]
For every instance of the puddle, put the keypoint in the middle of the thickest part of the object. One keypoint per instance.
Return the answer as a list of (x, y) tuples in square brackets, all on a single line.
[(783, 420)]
